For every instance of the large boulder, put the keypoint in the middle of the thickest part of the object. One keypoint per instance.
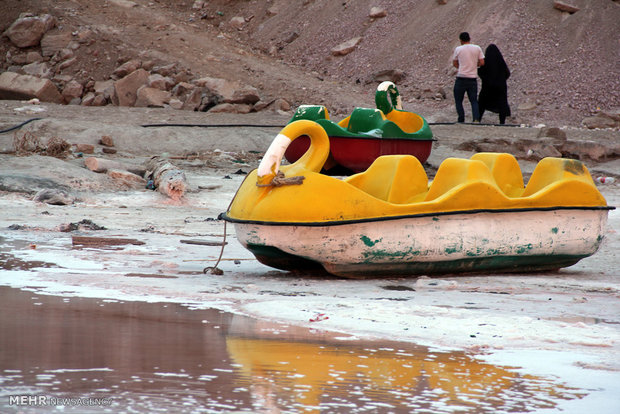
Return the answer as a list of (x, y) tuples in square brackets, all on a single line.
[(230, 92), (72, 90), (157, 81), (377, 12), (33, 56), (603, 119), (53, 43), (104, 88), (565, 7), (16, 86), (231, 108), (127, 88), (38, 69), (193, 100), (182, 90), (346, 47), (127, 68), (584, 149), (244, 95), (28, 29), (152, 97), (166, 70)]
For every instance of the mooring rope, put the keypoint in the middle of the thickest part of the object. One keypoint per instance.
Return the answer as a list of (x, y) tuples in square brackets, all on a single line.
[(280, 180), (214, 269)]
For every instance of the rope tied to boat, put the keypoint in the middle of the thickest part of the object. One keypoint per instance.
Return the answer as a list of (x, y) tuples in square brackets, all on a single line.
[(214, 270), (279, 180)]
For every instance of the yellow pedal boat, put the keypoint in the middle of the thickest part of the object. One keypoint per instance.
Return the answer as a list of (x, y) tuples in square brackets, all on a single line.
[(475, 216)]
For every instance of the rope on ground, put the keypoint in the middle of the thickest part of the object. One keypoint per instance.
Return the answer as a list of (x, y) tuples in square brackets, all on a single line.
[(214, 270), (18, 126)]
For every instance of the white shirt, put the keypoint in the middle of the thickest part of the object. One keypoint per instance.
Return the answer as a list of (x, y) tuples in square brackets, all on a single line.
[(468, 56)]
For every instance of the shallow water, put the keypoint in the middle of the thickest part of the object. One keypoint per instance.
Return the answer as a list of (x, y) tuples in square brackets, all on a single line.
[(114, 356)]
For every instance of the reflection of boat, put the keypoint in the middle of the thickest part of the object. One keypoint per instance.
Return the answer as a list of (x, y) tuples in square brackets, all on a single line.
[(367, 133), (476, 215), (311, 376)]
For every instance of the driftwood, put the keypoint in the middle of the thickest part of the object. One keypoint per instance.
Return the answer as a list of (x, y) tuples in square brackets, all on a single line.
[(153, 275), (101, 165), (167, 178), (204, 242), (103, 241)]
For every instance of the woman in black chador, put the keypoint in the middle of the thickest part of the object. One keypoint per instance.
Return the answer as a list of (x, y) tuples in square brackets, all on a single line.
[(494, 92)]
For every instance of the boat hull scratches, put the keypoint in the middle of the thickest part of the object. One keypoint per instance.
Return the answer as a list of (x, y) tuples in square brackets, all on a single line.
[(276, 258), (504, 242)]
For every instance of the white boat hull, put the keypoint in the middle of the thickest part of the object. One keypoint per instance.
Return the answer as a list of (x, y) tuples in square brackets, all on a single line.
[(504, 241)]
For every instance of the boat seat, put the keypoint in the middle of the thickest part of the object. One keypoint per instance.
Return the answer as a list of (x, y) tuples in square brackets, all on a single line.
[(310, 112), (409, 122), (552, 170), (456, 172), (505, 170), (398, 179), (365, 120)]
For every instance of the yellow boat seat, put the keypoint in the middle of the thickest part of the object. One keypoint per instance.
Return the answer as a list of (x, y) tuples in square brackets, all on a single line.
[(458, 173), (552, 170), (397, 179), (345, 122), (409, 122), (505, 170)]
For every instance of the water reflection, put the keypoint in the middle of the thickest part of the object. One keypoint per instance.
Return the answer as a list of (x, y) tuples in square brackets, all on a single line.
[(152, 357), (319, 377)]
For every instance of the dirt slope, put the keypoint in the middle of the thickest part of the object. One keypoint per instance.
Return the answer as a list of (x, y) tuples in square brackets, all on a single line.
[(564, 65)]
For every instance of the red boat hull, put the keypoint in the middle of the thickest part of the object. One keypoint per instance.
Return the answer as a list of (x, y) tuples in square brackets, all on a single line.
[(357, 154)]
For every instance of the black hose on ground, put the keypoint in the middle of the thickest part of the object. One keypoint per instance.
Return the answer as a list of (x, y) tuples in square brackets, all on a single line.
[(282, 126), (246, 125), (19, 126), (213, 125)]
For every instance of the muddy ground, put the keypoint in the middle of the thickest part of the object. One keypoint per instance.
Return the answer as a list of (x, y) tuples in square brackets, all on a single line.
[(574, 312)]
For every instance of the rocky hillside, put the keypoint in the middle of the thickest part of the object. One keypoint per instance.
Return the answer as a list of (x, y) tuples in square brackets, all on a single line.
[(560, 61), (240, 55)]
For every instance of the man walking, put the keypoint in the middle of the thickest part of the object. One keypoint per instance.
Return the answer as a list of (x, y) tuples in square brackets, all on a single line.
[(466, 58)]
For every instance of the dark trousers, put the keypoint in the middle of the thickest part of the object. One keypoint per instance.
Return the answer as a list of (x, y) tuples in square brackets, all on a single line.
[(502, 116), (469, 86)]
